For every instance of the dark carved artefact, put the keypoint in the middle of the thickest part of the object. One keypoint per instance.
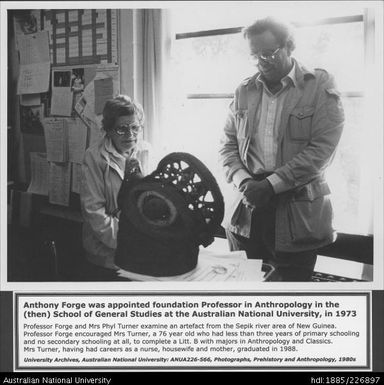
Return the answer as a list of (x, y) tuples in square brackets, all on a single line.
[(167, 215)]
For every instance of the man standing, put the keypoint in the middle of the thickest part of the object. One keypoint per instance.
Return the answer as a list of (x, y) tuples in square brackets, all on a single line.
[(280, 136)]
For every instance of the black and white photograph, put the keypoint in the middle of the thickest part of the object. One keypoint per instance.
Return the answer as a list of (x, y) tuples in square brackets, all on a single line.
[(237, 153), (31, 119), (77, 80), (62, 79)]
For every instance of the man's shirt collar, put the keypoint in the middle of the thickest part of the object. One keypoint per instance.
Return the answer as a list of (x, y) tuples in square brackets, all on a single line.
[(291, 76)]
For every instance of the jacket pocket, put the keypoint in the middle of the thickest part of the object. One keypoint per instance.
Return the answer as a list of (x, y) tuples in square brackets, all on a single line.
[(300, 122), (310, 214), (240, 221), (236, 213)]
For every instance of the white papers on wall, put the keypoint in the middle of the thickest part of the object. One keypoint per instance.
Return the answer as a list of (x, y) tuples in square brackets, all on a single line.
[(55, 180), (89, 74), (77, 139), (34, 63), (55, 139), (87, 101), (33, 78), (62, 97), (104, 86), (61, 101), (39, 173), (66, 143), (65, 139), (85, 109), (103, 92), (59, 183), (110, 71), (34, 48)]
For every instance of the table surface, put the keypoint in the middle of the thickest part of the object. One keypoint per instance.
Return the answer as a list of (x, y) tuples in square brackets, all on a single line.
[(333, 268), (327, 268)]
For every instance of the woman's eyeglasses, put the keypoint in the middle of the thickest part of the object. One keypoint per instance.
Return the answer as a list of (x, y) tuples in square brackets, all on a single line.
[(132, 129)]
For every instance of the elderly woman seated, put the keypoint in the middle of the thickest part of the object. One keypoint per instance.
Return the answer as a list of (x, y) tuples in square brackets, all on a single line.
[(104, 168)]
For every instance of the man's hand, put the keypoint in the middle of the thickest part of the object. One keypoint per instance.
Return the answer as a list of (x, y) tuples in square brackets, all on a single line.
[(256, 194)]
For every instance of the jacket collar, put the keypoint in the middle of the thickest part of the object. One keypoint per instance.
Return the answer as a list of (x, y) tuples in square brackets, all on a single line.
[(112, 157), (301, 74)]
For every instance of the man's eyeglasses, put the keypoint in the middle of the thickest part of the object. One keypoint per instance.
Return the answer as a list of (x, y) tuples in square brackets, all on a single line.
[(132, 129), (270, 57)]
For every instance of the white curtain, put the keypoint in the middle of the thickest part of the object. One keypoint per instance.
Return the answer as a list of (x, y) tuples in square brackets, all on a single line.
[(152, 39)]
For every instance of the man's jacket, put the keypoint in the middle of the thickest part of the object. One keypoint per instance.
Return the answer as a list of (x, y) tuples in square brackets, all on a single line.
[(311, 125)]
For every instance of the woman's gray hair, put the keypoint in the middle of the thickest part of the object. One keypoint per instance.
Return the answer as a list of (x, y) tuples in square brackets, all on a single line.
[(282, 31), (121, 105)]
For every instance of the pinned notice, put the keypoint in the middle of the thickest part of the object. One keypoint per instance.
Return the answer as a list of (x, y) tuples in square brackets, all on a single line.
[(39, 173), (59, 183), (103, 92), (77, 140), (89, 74), (34, 63), (55, 139), (62, 97), (85, 106)]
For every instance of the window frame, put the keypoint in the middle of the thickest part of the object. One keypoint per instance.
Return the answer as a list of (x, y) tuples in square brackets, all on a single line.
[(235, 30), (367, 17)]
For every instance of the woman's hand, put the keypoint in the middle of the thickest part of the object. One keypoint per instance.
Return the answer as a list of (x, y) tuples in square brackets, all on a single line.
[(132, 174), (132, 168)]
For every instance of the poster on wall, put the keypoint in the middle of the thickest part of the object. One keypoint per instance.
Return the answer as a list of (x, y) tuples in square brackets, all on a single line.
[(34, 63)]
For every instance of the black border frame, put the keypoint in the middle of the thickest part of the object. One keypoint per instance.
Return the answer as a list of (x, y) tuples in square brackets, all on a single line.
[(367, 296)]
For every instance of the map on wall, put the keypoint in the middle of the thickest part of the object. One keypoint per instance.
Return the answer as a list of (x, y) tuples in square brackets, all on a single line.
[(82, 36)]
